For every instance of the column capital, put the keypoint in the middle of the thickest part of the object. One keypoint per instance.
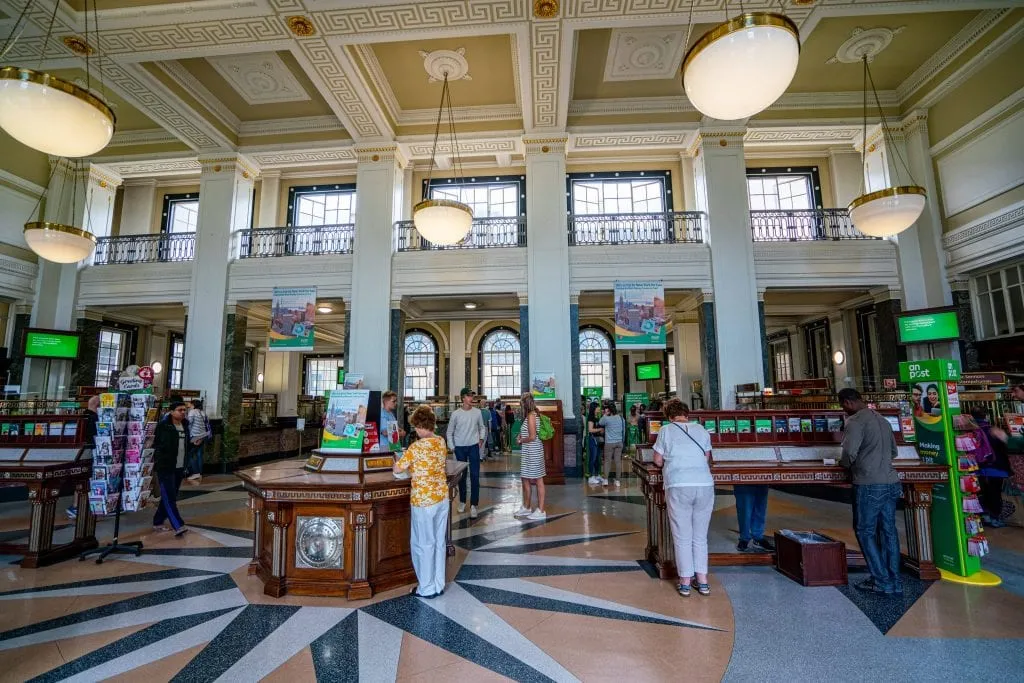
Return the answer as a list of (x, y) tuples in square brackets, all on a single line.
[(574, 298), (140, 182), (270, 174), (881, 294), (218, 165), (960, 284), (713, 135), (915, 121), (545, 145), (381, 153), (87, 314), (524, 298)]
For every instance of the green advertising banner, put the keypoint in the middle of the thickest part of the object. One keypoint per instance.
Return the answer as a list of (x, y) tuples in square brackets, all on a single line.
[(593, 393), (935, 381), (637, 398), (345, 421), (292, 319), (639, 314)]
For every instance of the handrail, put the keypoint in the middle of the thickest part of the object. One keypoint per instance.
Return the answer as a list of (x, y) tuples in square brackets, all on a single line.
[(296, 241), (177, 246), (485, 233), (670, 227), (800, 225)]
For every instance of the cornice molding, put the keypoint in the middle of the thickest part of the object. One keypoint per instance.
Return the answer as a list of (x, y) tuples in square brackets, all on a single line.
[(303, 124), (148, 136), (9, 265), (977, 125), (675, 104), (1011, 218), (19, 183)]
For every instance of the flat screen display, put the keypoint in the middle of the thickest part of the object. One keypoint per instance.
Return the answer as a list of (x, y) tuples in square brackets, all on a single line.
[(930, 326), (646, 372), (51, 344)]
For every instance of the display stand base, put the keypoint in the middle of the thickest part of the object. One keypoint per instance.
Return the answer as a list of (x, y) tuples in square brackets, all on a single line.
[(983, 578), (133, 547)]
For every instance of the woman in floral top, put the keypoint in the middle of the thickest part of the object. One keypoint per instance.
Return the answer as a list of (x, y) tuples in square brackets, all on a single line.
[(425, 460)]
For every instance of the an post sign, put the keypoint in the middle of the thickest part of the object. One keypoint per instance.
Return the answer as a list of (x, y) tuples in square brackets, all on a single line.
[(923, 328), (593, 393)]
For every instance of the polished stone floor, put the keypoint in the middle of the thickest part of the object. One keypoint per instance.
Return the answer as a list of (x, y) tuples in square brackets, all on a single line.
[(565, 599)]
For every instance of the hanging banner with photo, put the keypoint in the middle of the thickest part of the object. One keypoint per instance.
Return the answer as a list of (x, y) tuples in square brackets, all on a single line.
[(639, 314), (292, 319)]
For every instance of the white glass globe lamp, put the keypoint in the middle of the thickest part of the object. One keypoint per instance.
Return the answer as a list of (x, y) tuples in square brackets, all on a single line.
[(887, 212), (59, 243), (741, 67), (52, 115), (442, 221)]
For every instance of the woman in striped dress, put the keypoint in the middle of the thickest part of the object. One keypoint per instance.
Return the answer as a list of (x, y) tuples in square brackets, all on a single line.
[(532, 464)]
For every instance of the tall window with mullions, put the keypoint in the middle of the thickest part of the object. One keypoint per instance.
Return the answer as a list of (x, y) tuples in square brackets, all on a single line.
[(110, 355), (596, 361), (492, 197), (176, 366), (500, 364), (320, 205), (420, 366), (321, 374)]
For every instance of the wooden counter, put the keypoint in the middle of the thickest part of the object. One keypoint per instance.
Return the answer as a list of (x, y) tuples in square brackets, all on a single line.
[(44, 480), (917, 479), (332, 533)]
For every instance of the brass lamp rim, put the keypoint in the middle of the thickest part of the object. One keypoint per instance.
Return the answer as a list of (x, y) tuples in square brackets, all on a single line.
[(17, 73), (743, 21), (60, 227), (450, 203), (887, 192)]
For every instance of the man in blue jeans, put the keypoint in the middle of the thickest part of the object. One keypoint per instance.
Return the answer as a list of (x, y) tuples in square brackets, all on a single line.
[(466, 435), (751, 512), (869, 448)]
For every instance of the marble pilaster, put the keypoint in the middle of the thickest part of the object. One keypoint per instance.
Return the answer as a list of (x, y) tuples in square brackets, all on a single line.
[(965, 319), (709, 355), (83, 370), (235, 324)]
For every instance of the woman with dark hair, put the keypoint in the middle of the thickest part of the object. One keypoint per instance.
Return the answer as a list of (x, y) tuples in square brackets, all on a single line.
[(593, 450), (683, 451), (532, 469), (932, 406), (169, 446)]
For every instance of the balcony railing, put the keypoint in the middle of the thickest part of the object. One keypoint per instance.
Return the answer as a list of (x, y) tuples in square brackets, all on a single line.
[(486, 233), (296, 241), (636, 228), (803, 225), (179, 246)]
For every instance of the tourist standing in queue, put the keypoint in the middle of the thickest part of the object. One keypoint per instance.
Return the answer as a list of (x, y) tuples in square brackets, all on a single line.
[(594, 433), (868, 451), (532, 470), (683, 451), (614, 437), (425, 460), (510, 419), (169, 447), (199, 433), (485, 415), (466, 436), (495, 427)]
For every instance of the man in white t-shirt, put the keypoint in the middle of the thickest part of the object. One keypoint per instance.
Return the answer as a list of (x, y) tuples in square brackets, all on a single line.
[(466, 436)]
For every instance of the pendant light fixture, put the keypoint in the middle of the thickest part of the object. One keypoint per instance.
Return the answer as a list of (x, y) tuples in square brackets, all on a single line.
[(59, 242), (50, 114), (892, 210), (741, 66), (443, 221)]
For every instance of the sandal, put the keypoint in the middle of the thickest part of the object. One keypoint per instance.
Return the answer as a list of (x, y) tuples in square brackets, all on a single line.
[(704, 589), (683, 590)]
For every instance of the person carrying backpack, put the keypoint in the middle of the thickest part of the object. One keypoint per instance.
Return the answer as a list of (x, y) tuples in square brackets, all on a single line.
[(532, 469)]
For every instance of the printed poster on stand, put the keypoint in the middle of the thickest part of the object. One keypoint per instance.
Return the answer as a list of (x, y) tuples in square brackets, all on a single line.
[(640, 314), (543, 385), (345, 421), (292, 319)]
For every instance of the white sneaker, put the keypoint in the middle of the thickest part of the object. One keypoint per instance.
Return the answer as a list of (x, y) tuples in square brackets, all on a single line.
[(604, 482), (522, 512), (538, 515), (462, 507), (594, 481), (472, 512), (618, 483)]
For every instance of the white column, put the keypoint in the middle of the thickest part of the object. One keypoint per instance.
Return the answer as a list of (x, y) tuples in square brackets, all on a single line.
[(225, 197), (457, 357), (137, 203), (80, 195), (281, 376), (721, 182), (379, 179), (408, 193), (270, 197), (687, 351), (688, 202), (845, 168), (547, 257)]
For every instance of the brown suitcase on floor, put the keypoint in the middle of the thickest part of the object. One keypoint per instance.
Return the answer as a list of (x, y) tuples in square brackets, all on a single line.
[(812, 564)]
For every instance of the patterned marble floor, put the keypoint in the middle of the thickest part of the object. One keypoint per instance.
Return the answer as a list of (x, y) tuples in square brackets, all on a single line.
[(560, 600)]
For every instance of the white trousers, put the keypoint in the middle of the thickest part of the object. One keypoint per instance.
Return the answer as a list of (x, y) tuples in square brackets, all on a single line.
[(689, 515), (429, 546)]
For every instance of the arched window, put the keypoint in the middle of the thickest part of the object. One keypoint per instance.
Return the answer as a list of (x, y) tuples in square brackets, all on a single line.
[(420, 365), (499, 364), (596, 360)]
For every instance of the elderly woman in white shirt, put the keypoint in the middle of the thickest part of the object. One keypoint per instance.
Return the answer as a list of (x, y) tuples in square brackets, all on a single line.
[(683, 451)]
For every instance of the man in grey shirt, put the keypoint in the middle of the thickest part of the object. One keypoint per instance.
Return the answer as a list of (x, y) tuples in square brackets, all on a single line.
[(466, 435), (869, 448), (614, 431)]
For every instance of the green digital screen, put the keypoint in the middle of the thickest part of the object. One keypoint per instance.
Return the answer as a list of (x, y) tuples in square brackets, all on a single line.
[(927, 327), (46, 344), (593, 393), (341, 376), (648, 371)]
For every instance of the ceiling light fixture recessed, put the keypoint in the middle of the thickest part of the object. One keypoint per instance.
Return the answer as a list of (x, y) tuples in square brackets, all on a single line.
[(469, 305), (324, 309)]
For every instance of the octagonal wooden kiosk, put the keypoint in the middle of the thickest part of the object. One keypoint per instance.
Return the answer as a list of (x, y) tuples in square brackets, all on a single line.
[(335, 525)]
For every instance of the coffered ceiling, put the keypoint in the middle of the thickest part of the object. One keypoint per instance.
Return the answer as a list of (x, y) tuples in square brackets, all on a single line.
[(299, 83)]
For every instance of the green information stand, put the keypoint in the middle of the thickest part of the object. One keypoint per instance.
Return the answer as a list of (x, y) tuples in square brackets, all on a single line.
[(956, 548)]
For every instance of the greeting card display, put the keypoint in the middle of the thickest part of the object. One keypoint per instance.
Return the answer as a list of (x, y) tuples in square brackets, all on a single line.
[(122, 459)]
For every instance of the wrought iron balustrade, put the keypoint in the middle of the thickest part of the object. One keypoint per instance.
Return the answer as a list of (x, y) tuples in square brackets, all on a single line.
[(178, 246), (486, 233), (800, 225), (296, 241), (673, 227)]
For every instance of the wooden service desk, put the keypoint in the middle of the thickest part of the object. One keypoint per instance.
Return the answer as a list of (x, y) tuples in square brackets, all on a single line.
[(45, 471), (333, 533), (917, 479)]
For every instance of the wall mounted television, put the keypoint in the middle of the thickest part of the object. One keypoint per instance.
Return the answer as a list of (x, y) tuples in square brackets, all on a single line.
[(646, 372), (927, 325), (56, 344)]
